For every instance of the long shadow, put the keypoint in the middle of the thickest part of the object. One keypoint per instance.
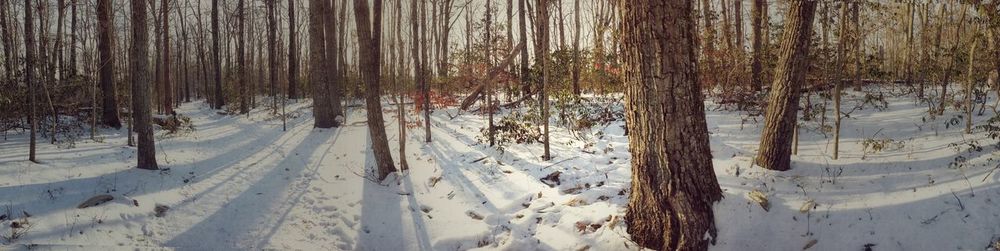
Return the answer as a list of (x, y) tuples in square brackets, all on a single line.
[(41, 199), (249, 217), (916, 225), (380, 215)]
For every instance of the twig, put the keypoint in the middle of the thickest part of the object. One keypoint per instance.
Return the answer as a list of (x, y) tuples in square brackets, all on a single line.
[(479, 159), (959, 200), (991, 172)]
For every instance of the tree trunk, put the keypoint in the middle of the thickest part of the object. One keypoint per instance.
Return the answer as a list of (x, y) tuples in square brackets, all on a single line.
[(167, 90), (141, 113), (105, 37), (525, 85), (334, 83), (219, 100), (293, 61), (576, 48), (397, 69), (241, 62), (838, 77), (775, 144), (859, 38), (272, 57), (758, 11), (541, 56), (29, 75), (425, 71), (317, 66), (673, 182), (369, 36)]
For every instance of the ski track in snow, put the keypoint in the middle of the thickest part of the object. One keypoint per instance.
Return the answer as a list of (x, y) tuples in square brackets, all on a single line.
[(239, 183)]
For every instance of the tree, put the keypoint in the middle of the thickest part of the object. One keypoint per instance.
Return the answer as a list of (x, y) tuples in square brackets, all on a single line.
[(541, 53), (758, 12), (838, 82), (397, 54), (576, 48), (167, 90), (141, 113), (29, 74), (673, 182), (369, 42), (272, 57), (105, 36), (293, 62), (317, 66), (241, 62), (779, 121), (525, 85), (425, 71), (334, 83), (217, 56)]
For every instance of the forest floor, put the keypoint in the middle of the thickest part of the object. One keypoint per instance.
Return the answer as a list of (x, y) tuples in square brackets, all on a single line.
[(241, 183)]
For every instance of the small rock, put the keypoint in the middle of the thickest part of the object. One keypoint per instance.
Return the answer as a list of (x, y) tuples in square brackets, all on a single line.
[(161, 210)]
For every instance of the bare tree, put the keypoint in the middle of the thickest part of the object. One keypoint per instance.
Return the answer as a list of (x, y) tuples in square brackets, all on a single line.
[(369, 40), (318, 65), (29, 74), (293, 61), (141, 113), (334, 83), (779, 122), (105, 36), (219, 100), (541, 56), (758, 13)]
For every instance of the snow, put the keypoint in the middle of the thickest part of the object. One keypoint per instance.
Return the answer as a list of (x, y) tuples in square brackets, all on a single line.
[(240, 183)]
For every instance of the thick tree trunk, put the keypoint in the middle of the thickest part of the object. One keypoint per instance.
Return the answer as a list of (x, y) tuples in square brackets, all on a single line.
[(758, 11), (775, 143), (219, 100), (369, 36), (29, 76), (105, 38), (317, 66), (673, 182), (141, 113)]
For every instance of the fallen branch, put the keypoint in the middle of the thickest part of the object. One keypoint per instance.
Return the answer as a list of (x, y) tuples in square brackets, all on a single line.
[(561, 161), (478, 91)]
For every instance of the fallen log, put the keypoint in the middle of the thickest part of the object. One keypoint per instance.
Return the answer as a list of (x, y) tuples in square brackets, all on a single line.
[(478, 91)]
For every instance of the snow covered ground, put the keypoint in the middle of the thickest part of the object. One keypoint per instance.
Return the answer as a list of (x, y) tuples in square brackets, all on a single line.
[(241, 183)]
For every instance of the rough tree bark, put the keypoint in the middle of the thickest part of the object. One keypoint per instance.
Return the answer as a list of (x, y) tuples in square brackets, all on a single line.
[(318, 66), (105, 37), (779, 122), (141, 113), (673, 182), (369, 41)]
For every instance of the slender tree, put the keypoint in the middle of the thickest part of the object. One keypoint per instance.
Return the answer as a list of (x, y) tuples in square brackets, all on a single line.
[(758, 12), (541, 54), (523, 35), (425, 71), (293, 61), (838, 82), (673, 182), (334, 83), (576, 48), (369, 41), (219, 100), (779, 122), (141, 112), (29, 75)]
